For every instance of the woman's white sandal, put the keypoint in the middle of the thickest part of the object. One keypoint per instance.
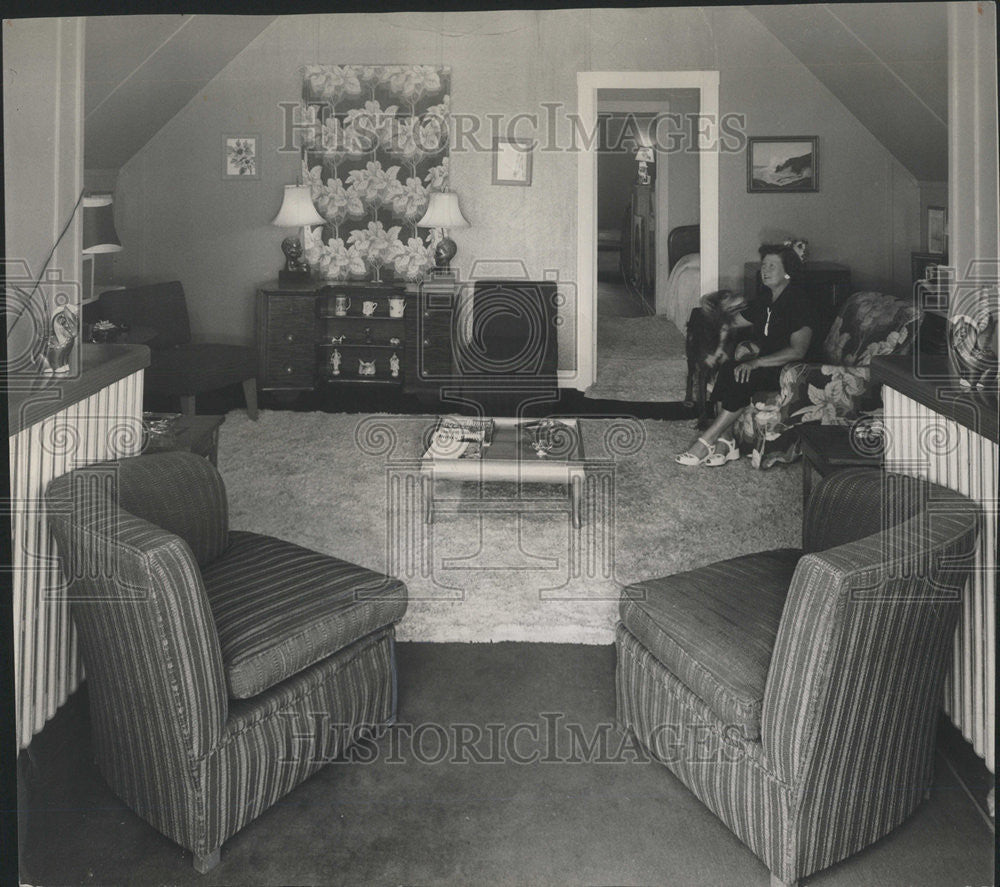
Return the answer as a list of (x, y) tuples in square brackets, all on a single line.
[(731, 455), (691, 459)]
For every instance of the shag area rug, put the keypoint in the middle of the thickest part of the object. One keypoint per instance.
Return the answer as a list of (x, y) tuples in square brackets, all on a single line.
[(348, 485), (639, 359)]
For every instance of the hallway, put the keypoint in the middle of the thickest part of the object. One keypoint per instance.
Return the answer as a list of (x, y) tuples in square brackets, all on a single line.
[(640, 357)]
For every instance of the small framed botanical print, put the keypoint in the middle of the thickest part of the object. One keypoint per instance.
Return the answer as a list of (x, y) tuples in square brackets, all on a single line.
[(241, 157)]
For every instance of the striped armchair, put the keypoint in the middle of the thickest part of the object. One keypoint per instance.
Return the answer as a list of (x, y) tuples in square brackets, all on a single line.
[(223, 667), (796, 693)]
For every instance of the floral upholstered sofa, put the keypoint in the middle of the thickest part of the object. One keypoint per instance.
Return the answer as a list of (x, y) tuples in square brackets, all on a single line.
[(837, 391)]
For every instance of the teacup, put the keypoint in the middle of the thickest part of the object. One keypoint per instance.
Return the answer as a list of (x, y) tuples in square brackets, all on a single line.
[(397, 307), (341, 305), (368, 308)]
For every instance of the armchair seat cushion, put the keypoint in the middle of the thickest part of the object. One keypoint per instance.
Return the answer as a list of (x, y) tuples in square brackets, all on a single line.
[(274, 622), (191, 369), (714, 629)]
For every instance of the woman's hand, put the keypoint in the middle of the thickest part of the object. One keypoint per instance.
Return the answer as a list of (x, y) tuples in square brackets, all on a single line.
[(743, 370)]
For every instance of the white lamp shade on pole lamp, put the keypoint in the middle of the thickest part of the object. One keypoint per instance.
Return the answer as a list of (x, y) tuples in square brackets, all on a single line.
[(444, 212), (99, 235)]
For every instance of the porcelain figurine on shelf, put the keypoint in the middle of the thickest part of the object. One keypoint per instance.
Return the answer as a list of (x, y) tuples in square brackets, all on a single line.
[(366, 367), (335, 362), (394, 364)]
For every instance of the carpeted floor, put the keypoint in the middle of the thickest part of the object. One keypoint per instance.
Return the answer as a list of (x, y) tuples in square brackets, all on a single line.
[(345, 485), (425, 811), (639, 358)]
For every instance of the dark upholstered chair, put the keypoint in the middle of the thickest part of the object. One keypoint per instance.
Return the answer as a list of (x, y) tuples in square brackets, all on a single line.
[(796, 693), (179, 367), (223, 667)]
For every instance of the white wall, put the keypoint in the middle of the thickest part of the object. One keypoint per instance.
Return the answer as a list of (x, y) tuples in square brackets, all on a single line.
[(182, 220), (43, 164)]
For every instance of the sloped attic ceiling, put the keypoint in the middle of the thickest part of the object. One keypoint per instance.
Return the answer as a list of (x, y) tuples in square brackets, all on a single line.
[(886, 62), (141, 70)]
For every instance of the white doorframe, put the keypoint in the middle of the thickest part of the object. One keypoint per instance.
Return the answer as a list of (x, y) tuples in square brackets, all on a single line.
[(587, 84)]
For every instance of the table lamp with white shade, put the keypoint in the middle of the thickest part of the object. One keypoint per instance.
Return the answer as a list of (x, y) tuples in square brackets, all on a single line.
[(443, 212), (297, 211)]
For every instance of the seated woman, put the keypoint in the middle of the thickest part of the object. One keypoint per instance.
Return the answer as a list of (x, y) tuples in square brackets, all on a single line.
[(783, 328)]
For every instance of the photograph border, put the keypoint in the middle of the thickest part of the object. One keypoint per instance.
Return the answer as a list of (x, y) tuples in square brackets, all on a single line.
[(761, 140), (236, 177)]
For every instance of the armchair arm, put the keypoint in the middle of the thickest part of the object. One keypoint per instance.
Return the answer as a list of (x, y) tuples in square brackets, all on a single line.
[(815, 392), (149, 642), (863, 643), (182, 493)]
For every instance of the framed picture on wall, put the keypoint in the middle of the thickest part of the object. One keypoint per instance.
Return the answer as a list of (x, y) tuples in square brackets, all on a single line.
[(937, 229), (782, 165), (240, 156), (512, 161)]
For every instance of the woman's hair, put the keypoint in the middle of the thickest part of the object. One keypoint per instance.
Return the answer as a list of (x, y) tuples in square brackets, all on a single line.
[(789, 258)]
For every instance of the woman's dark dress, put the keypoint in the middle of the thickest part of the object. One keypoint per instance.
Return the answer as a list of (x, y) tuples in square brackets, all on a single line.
[(791, 311)]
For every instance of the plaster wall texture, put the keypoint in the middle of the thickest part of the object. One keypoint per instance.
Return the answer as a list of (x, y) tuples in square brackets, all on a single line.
[(181, 219)]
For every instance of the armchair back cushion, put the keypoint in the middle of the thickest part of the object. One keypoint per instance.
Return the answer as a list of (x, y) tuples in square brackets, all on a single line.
[(132, 580), (196, 510), (866, 628), (161, 306), (869, 324)]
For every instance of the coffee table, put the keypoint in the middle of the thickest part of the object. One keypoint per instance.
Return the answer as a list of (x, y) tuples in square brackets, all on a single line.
[(195, 434), (509, 457)]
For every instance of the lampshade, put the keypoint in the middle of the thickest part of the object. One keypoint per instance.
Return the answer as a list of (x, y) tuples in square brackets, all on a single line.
[(297, 209), (99, 235), (645, 155), (443, 211)]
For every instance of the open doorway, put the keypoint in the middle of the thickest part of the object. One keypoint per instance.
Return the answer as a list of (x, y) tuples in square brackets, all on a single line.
[(648, 214), (644, 258)]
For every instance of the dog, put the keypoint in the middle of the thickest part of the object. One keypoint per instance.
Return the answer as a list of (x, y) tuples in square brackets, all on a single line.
[(710, 341)]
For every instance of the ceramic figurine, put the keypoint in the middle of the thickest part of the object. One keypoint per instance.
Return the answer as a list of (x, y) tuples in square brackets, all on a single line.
[(368, 336), (59, 341), (394, 364), (395, 340), (335, 362), (366, 367), (973, 341)]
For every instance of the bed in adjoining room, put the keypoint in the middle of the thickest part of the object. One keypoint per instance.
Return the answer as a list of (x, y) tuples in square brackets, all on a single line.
[(683, 290)]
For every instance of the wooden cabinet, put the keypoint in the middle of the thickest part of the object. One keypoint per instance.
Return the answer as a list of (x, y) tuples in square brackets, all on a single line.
[(829, 282), (287, 332), (430, 334), (299, 328), (362, 334)]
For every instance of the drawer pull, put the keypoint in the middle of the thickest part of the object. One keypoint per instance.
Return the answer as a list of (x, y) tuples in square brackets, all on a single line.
[(289, 369), (427, 341), (290, 338)]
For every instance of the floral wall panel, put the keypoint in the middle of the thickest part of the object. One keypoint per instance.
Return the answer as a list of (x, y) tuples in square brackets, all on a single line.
[(376, 147)]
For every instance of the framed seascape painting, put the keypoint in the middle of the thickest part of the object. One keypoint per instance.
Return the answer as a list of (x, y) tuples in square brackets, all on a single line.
[(782, 165), (240, 156)]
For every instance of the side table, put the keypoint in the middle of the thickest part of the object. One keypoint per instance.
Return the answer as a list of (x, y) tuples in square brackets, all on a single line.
[(827, 448), (193, 434)]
